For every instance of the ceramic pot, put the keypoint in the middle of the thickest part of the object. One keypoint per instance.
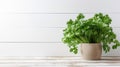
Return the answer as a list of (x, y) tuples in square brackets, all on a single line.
[(91, 51)]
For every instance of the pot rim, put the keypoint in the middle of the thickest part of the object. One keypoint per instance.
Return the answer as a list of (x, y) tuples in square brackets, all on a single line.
[(90, 43)]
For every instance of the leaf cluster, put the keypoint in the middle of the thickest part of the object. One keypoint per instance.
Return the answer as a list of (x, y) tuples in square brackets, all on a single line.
[(96, 29)]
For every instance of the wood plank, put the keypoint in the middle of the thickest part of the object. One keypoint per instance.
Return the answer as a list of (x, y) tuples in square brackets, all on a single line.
[(44, 20), (34, 49), (42, 49), (61, 61), (56, 6), (35, 35)]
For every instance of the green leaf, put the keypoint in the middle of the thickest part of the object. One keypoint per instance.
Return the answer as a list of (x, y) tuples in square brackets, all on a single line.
[(80, 16)]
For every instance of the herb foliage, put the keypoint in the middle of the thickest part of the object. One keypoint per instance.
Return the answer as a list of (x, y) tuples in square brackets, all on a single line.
[(93, 30)]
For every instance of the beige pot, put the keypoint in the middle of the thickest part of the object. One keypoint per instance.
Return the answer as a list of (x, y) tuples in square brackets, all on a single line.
[(91, 51)]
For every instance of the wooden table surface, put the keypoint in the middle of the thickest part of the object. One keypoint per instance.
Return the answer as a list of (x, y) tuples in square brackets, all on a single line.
[(58, 62)]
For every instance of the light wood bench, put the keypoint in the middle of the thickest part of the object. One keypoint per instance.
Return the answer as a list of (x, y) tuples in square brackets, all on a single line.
[(58, 62)]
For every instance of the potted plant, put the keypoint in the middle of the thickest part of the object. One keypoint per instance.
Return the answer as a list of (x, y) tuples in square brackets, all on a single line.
[(92, 34)]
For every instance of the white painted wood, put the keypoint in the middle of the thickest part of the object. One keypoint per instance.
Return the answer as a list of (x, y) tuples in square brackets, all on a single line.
[(34, 49), (31, 35), (36, 34), (59, 6), (40, 28), (34, 27), (44, 20), (41, 49)]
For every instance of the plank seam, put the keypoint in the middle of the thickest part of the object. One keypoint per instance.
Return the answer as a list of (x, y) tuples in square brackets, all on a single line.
[(57, 12)]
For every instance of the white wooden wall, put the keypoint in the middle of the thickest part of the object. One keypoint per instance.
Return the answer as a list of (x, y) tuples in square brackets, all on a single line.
[(34, 27)]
